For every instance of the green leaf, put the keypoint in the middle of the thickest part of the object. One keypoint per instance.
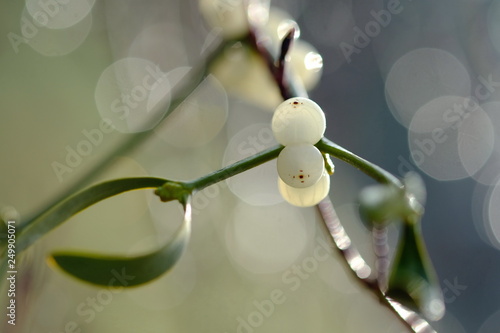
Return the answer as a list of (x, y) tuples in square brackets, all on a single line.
[(57, 214), (127, 271), (380, 204), (414, 184), (413, 281)]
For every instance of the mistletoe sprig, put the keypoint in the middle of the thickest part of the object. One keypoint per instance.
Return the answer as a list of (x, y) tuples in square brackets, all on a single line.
[(409, 287)]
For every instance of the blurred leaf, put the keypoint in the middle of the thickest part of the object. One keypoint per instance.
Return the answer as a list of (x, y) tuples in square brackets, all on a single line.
[(57, 214), (415, 185), (7, 213), (380, 204), (413, 281), (127, 271)]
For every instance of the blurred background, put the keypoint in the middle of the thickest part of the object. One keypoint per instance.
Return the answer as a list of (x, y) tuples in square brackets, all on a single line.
[(409, 85)]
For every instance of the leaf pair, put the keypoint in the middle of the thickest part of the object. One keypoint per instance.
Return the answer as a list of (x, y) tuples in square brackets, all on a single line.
[(128, 271), (107, 270)]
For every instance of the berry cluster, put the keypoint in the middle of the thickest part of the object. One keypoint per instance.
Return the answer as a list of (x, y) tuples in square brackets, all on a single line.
[(299, 123)]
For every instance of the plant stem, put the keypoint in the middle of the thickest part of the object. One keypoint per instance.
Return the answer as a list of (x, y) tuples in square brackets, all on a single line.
[(361, 271), (188, 84), (352, 257), (325, 145), (234, 169), (372, 170), (381, 249), (77, 202)]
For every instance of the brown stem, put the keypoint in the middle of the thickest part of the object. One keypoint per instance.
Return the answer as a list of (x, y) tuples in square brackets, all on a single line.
[(352, 258), (288, 88), (361, 271), (381, 249)]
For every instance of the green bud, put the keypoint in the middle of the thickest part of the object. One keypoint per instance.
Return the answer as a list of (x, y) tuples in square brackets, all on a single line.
[(173, 191)]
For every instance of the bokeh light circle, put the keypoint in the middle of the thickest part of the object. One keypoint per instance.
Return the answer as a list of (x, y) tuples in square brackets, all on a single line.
[(123, 91), (450, 138), (420, 76), (266, 240), (493, 20), (256, 186), (54, 42), (491, 324), (199, 118), (479, 209), (59, 14), (150, 43), (491, 170), (492, 225)]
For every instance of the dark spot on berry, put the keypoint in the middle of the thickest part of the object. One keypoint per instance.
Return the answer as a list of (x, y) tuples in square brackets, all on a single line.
[(301, 176)]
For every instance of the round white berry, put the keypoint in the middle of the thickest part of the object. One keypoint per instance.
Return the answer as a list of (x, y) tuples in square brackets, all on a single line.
[(230, 17), (300, 165), (307, 196), (306, 62), (298, 120)]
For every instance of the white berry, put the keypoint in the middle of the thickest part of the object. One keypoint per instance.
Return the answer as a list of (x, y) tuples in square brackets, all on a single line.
[(308, 196), (306, 62), (298, 120), (300, 165), (230, 17)]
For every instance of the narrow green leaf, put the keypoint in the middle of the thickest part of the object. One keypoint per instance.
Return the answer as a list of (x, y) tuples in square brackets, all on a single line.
[(127, 271), (413, 281), (59, 213)]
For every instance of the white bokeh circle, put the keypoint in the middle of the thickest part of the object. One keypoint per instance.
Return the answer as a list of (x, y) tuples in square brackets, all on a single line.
[(54, 42), (420, 76), (493, 22), (450, 138), (123, 94), (199, 118), (491, 170), (258, 185), (267, 240), (491, 324), (59, 14), (492, 218)]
